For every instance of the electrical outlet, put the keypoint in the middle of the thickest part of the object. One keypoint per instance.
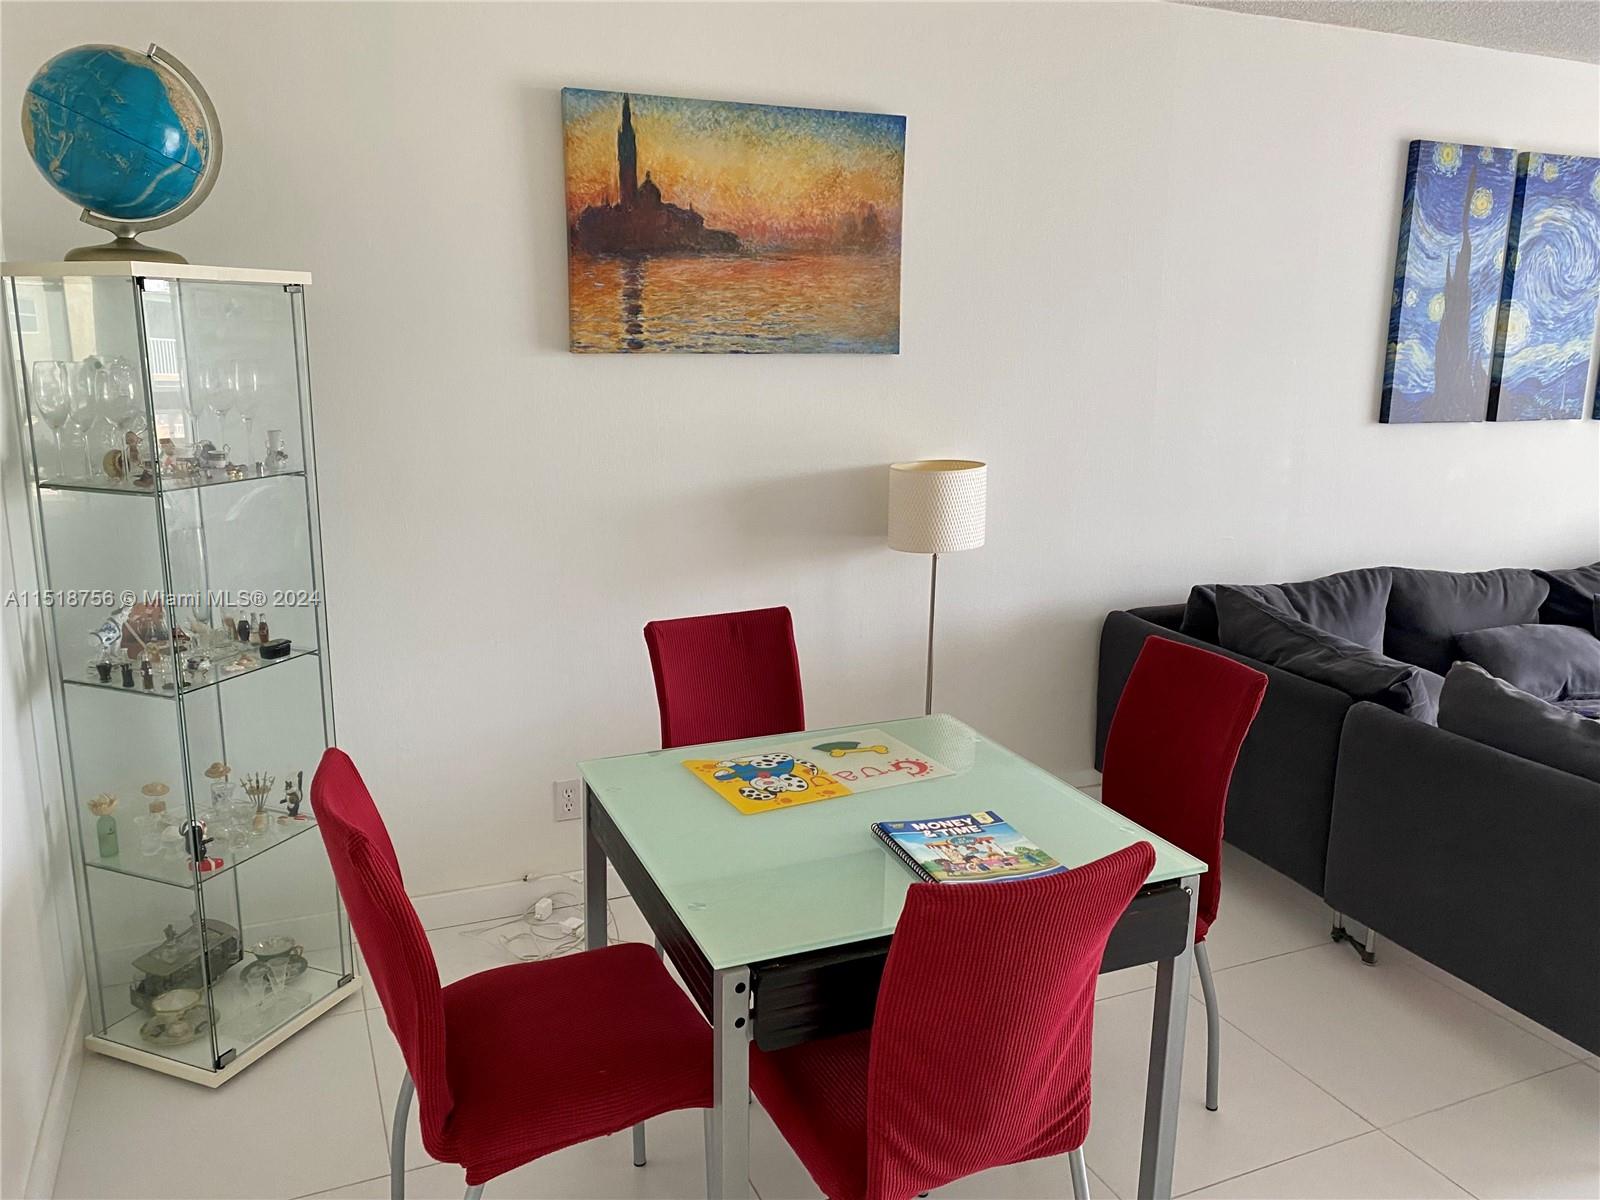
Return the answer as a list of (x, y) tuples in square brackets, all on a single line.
[(568, 795)]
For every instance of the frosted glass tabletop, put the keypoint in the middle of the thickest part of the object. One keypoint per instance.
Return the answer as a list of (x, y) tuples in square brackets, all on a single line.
[(754, 887)]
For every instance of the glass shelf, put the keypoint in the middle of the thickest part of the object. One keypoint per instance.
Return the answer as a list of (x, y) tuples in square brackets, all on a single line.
[(216, 675), (111, 488), (160, 868)]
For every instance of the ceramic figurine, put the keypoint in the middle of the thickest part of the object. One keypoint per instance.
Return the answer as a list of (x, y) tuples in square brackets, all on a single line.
[(105, 828), (196, 840), (293, 797)]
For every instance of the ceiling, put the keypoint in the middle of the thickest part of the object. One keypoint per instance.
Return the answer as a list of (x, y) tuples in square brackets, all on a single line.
[(1553, 28)]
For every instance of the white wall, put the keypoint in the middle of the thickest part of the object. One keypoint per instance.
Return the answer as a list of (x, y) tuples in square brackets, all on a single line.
[(41, 971), (1147, 272)]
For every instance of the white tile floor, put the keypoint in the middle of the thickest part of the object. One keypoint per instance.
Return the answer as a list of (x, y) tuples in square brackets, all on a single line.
[(1338, 1081)]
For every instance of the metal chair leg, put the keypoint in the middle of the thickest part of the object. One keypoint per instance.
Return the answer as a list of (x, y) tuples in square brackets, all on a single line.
[(474, 1193), (638, 1144), (1202, 960), (397, 1139), (1080, 1174)]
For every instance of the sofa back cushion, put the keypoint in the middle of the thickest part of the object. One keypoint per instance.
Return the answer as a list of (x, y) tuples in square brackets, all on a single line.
[(1552, 662), (1429, 609), (1251, 626), (1574, 597), (1351, 605), (1476, 705)]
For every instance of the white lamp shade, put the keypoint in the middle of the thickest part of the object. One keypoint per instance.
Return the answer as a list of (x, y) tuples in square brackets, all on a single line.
[(938, 505)]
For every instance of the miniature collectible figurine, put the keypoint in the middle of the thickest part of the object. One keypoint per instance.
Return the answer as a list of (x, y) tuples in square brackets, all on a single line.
[(196, 841), (242, 629), (127, 674), (105, 828), (146, 676), (293, 797), (261, 629), (102, 667)]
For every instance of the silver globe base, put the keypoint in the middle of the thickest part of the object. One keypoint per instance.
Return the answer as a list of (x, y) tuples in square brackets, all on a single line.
[(122, 249)]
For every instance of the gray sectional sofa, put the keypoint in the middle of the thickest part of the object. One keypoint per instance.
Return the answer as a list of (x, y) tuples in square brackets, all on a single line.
[(1428, 798)]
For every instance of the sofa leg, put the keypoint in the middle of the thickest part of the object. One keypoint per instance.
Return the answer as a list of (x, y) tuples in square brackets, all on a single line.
[(1366, 949)]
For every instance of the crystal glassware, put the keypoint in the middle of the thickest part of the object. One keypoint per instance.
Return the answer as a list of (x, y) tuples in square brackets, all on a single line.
[(52, 400), (82, 413), (249, 383), (219, 395)]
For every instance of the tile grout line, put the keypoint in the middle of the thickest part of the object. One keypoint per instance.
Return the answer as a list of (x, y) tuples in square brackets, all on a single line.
[(1268, 1166), (1479, 1096), (1425, 1162)]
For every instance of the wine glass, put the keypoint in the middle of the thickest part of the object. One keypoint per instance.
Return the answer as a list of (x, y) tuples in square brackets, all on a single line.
[(248, 383), (52, 401), (219, 398), (82, 413), (124, 410)]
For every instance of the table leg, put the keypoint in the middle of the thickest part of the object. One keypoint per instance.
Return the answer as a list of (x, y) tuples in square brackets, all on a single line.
[(728, 1122), (1165, 1080), (594, 881)]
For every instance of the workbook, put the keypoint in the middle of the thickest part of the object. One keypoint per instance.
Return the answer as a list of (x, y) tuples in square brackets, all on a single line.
[(969, 848), (803, 770)]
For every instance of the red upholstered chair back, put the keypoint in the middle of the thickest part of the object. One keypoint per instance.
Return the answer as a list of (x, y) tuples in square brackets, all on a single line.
[(1171, 749), (399, 960), (983, 1034), (726, 676)]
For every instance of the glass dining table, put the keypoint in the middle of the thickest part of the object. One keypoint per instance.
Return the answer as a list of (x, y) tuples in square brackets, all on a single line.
[(778, 922)]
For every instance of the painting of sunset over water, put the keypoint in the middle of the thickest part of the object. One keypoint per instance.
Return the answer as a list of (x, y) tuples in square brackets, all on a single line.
[(702, 226)]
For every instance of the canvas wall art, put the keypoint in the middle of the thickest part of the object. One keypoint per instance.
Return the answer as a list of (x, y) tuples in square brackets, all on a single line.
[(710, 227), (1550, 296), (1455, 218)]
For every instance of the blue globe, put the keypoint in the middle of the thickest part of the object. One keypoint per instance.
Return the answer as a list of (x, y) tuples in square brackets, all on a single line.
[(116, 132)]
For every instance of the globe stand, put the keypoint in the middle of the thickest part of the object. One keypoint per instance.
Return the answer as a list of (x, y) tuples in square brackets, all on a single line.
[(122, 249)]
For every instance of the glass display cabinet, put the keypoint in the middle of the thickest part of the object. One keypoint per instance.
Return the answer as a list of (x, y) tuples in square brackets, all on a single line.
[(164, 422)]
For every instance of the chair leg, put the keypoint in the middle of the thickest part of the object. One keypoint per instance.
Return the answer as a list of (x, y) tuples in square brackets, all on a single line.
[(397, 1139), (638, 1144), (474, 1193), (1202, 960), (1080, 1175)]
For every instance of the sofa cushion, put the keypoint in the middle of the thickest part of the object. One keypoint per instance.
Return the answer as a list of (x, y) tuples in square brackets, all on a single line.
[(1552, 662), (1351, 604), (1476, 705), (1249, 625), (1428, 609), (1574, 597)]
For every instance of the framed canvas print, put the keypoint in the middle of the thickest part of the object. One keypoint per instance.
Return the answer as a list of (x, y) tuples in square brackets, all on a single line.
[(1550, 296), (703, 226), (1454, 221)]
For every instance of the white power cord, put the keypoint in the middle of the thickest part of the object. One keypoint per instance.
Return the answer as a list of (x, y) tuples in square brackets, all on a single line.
[(548, 928)]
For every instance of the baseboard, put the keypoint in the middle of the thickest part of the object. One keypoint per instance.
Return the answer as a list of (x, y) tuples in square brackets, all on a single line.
[(467, 906), (46, 1163)]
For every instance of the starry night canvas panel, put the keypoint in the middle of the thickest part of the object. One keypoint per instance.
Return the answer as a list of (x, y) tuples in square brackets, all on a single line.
[(709, 227), (1453, 227), (1550, 297)]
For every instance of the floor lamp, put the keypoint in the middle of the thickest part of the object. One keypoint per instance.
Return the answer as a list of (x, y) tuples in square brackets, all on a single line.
[(937, 506)]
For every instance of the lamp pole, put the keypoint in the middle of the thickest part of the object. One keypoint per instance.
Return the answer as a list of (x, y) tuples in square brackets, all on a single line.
[(933, 595)]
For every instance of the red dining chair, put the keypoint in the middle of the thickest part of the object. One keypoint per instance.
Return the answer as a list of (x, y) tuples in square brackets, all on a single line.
[(980, 1045), (726, 676), (1169, 756), (499, 1080)]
